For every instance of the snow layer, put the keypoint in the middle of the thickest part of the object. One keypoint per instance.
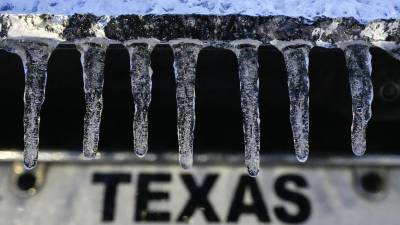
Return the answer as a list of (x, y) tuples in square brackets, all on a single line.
[(362, 10)]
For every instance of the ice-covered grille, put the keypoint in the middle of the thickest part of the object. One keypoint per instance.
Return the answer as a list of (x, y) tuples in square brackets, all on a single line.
[(34, 37)]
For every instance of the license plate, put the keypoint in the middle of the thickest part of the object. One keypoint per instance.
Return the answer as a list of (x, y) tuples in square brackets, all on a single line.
[(68, 193)]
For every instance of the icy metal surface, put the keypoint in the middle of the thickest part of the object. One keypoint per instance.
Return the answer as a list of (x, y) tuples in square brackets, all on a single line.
[(211, 29), (207, 27)]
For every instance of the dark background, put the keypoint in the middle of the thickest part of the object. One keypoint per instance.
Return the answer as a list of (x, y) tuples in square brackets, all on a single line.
[(218, 115)]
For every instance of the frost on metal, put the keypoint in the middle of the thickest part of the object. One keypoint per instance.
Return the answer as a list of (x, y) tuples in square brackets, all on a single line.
[(33, 37)]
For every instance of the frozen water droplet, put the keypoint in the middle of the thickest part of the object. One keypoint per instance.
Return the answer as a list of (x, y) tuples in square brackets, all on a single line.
[(92, 59), (185, 61), (358, 61), (248, 76), (186, 160), (141, 88), (34, 57), (296, 59), (30, 160)]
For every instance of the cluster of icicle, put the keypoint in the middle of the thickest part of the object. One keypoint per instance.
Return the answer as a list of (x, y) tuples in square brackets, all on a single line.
[(36, 55)]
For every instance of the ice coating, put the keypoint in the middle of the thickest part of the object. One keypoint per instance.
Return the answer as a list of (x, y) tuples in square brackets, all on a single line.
[(249, 86), (92, 59), (358, 60), (296, 59), (185, 60), (141, 89), (34, 57)]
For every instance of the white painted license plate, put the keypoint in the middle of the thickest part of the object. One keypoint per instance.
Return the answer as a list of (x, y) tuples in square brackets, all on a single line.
[(67, 193)]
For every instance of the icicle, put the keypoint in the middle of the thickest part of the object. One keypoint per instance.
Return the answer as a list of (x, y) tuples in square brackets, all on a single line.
[(141, 88), (34, 57), (185, 71), (296, 59), (248, 76), (92, 59), (358, 61)]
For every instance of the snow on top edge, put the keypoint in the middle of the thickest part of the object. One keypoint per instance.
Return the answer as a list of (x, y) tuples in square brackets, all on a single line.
[(362, 10)]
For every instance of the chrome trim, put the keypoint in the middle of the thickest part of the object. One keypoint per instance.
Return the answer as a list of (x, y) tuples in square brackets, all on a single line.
[(205, 159)]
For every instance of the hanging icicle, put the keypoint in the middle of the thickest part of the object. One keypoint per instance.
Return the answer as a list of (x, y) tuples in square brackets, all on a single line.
[(358, 61), (35, 56), (185, 54), (296, 59), (247, 56), (92, 59), (141, 89)]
